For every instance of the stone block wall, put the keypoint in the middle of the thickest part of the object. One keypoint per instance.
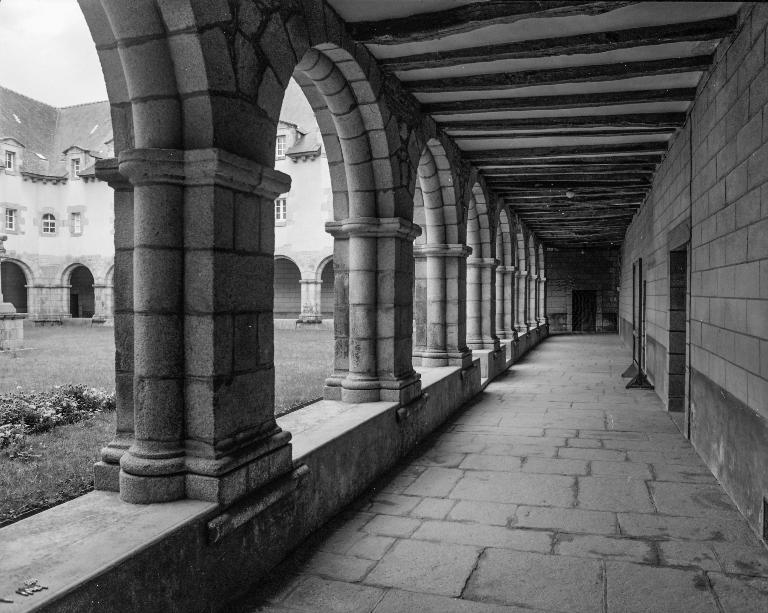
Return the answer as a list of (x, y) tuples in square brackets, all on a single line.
[(576, 269), (710, 200)]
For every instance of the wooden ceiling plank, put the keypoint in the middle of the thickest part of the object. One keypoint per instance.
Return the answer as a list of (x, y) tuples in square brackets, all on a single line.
[(630, 120), (567, 101), (573, 162), (560, 76), (438, 24), (592, 42), (494, 135), (603, 170), (572, 150)]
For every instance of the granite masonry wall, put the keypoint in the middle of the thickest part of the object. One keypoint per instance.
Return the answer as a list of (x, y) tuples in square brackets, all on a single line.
[(709, 207)]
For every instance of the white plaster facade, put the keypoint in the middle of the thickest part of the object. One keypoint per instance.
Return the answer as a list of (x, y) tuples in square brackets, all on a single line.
[(58, 217)]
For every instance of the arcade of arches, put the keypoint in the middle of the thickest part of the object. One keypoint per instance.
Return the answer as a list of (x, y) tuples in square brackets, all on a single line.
[(447, 208)]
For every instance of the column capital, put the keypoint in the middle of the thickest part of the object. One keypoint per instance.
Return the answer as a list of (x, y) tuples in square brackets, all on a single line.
[(108, 170), (442, 250), (521, 273), (201, 167), (509, 269), (482, 262), (309, 281), (373, 227)]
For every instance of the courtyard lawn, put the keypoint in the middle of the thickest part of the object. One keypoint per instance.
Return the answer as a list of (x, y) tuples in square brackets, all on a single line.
[(62, 464)]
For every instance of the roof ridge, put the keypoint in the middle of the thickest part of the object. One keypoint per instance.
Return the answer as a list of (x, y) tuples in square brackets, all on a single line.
[(72, 106), (13, 91)]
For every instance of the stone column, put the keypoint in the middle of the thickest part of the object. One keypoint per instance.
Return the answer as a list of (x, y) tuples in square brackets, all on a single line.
[(543, 319), (11, 324), (509, 313), (381, 274), (445, 267), (521, 322), (203, 336), (420, 317), (501, 302), (530, 283), (107, 471), (332, 389), (310, 302), (481, 303)]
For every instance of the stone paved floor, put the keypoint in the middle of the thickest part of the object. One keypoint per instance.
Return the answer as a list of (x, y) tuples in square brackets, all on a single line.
[(557, 490)]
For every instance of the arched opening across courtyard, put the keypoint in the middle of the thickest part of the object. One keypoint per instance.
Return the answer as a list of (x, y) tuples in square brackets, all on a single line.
[(287, 284), (81, 295), (14, 285), (327, 294)]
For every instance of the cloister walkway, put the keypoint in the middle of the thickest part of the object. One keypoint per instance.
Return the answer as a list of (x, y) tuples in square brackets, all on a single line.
[(556, 490)]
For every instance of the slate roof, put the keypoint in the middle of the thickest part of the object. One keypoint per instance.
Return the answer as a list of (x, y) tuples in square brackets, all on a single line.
[(49, 131), (306, 144)]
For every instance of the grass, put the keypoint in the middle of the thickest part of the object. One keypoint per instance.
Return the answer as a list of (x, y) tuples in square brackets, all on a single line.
[(63, 466)]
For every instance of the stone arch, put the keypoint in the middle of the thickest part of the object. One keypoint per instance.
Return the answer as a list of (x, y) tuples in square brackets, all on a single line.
[(478, 224), (521, 280), (287, 288), (505, 296), (481, 275), (440, 266), (109, 276), (16, 276)]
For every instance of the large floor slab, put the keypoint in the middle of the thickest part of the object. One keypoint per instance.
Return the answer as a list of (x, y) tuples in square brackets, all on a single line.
[(556, 490)]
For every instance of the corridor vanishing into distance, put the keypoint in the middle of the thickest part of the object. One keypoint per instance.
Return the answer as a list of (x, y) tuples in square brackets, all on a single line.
[(556, 489)]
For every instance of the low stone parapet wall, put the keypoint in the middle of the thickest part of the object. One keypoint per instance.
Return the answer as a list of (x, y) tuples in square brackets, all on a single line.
[(96, 553)]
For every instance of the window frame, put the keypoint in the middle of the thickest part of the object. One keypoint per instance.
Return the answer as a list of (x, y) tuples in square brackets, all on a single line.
[(48, 223), (76, 231), (74, 167), (281, 210), (10, 156), (281, 143), (10, 214)]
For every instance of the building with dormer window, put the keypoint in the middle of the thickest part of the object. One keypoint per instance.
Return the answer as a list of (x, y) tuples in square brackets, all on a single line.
[(59, 219)]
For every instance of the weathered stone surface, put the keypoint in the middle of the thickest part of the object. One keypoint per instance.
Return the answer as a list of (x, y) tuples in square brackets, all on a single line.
[(507, 577), (607, 548), (433, 568), (635, 588), (740, 593), (516, 488), (399, 601), (614, 494), (484, 536), (566, 520)]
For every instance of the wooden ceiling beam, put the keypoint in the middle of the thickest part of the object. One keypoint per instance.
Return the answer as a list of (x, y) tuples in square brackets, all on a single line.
[(567, 101), (494, 135), (593, 42), (628, 121), (560, 76), (576, 162), (576, 180), (552, 171), (569, 150), (438, 24)]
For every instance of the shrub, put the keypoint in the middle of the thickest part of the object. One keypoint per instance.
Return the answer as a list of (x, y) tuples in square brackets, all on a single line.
[(30, 412)]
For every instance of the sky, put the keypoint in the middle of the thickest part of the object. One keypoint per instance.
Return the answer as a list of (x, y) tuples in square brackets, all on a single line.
[(46, 52)]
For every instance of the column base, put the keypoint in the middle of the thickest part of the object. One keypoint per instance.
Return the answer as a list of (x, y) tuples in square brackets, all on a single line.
[(226, 479), (106, 474), (401, 390), (141, 489), (434, 359), (332, 387)]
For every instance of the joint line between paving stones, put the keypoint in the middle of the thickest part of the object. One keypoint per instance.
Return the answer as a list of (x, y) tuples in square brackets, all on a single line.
[(604, 577), (472, 572), (711, 590)]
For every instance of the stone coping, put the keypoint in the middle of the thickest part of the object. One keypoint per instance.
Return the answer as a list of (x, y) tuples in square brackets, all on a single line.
[(76, 541), (323, 421)]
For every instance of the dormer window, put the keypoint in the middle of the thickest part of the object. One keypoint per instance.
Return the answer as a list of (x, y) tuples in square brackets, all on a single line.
[(74, 168), (280, 147), (10, 160), (49, 224)]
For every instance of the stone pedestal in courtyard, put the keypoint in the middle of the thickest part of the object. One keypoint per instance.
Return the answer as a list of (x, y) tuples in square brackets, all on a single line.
[(11, 328), (310, 302)]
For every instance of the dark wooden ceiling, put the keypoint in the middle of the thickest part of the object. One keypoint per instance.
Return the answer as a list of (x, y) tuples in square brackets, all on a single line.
[(565, 107)]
